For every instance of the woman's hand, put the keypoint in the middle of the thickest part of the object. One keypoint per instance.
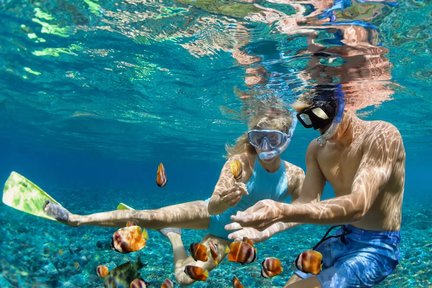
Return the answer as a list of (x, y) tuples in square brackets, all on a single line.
[(232, 196), (263, 214)]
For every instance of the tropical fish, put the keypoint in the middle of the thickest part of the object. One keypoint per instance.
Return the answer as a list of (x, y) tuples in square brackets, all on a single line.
[(271, 267), (236, 283), (102, 271), (242, 251), (167, 284), (138, 283), (214, 251), (309, 261), (123, 275), (198, 252), (129, 239), (236, 169), (196, 273), (161, 178)]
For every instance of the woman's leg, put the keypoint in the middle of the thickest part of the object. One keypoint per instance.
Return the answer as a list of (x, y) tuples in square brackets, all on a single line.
[(193, 215)]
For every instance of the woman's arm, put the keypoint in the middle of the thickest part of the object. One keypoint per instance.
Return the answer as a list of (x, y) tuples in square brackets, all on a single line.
[(228, 191)]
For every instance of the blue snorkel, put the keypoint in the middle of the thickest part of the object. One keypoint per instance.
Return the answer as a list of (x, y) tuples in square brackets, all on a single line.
[(322, 140)]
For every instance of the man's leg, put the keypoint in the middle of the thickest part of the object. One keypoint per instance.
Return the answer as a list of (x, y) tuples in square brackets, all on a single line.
[(297, 282), (193, 215)]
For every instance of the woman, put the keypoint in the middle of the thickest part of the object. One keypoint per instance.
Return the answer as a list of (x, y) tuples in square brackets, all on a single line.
[(264, 176)]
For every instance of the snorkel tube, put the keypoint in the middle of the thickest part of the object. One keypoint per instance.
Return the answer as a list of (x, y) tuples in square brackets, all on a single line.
[(269, 155), (331, 131)]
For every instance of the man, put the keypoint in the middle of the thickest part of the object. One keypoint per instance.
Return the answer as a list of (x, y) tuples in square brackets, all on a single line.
[(364, 161)]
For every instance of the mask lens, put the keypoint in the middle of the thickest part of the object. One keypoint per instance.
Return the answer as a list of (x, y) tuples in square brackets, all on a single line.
[(305, 119), (319, 112), (273, 138)]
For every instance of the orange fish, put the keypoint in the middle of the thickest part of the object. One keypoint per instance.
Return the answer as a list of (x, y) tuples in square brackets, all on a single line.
[(271, 267), (242, 251), (214, 251), (309, 261), (236, 169), (161, 178), (199, 252), (129, 239), (236, 283), (196, 273), (167, 284), (138, 283), (102, 271)]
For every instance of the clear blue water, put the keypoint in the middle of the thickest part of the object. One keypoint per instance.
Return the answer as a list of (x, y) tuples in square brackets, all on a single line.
[(95, 94)]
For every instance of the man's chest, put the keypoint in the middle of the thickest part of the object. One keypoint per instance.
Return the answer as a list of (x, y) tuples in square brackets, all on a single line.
[(339, 167)]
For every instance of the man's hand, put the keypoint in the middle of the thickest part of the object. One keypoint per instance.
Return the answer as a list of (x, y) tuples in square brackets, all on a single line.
[(249, 232), (263, 214), (233, 195)]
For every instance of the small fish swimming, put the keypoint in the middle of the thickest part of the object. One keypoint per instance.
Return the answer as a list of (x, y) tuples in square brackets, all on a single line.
[(236, 169), (214, 251), (102, 271), (309, 261), (161, 178), (196, 273), (198, 252), (123, 275), (236, 283), (271, 267), (129, 239), (138, 283), (167, 284), (242, 251)]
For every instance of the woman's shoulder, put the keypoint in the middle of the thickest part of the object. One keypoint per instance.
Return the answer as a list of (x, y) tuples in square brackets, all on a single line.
[(292, 168)]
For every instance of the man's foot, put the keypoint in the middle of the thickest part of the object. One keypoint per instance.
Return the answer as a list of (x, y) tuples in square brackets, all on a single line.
[(166, 231), (56, 211)]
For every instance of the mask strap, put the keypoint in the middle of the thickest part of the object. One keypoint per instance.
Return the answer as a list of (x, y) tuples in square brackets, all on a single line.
[(322, 140)]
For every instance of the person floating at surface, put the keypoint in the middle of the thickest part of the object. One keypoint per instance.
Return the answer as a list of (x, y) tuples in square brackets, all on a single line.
[(364, 161), (264, 176)]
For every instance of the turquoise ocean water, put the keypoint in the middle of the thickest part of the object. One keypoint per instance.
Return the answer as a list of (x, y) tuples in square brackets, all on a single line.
[(95, 94)]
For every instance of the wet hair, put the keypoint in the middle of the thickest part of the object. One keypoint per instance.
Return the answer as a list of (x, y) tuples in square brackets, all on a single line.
[(275, 119), (322, 94)]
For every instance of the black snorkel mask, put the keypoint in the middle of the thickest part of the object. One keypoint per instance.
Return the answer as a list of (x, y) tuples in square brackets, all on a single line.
[(318, 116), (327, 108)]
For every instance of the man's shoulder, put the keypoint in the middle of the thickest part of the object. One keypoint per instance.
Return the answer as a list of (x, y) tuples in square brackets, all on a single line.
[(381, 130)]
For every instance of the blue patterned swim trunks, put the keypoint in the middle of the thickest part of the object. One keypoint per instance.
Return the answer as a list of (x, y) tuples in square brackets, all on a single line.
[(357, 257)]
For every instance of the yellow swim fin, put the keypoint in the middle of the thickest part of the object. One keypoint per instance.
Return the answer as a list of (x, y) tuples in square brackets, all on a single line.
[(23, 195), (122, 206)]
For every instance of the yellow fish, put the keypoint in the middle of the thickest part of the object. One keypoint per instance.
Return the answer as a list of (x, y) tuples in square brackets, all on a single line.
[(161, 178), (167, 284), (271, 267), (123, 275), (199, 252), (102, 271), (129, 239), (236, 283), (309, 261), (242, 251), (236, 169), (214, 251), (138, 283), (196, 273)]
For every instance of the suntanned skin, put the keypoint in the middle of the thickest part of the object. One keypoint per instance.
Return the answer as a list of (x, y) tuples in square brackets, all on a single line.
[(365, 164), (195, 215)]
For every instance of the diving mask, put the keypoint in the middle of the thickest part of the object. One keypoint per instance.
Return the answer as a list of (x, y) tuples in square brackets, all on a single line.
[(324, 113), (270, 143)]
